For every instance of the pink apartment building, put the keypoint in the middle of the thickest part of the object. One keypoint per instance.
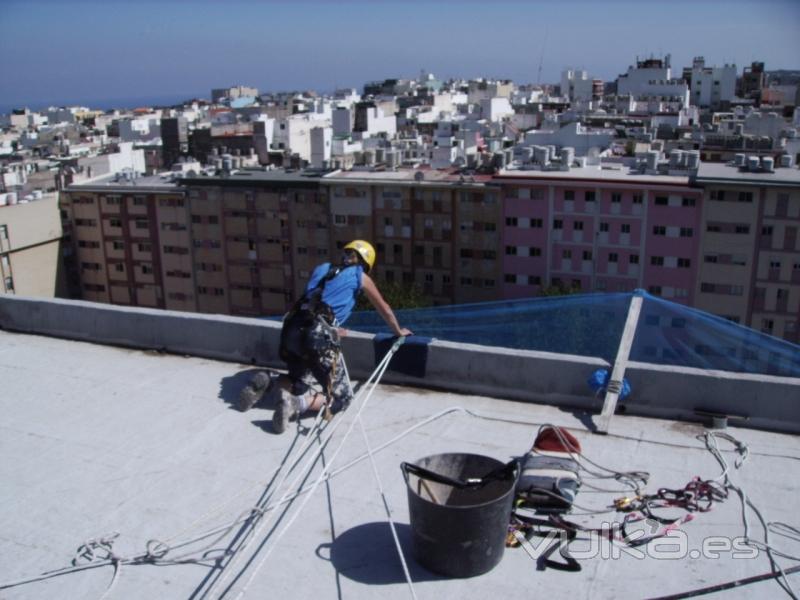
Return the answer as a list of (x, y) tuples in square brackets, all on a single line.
[(595, 229)]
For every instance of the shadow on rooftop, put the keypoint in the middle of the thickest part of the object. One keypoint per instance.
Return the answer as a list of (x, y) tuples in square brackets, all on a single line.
[(367, 554), (585, 417), (230, 387)]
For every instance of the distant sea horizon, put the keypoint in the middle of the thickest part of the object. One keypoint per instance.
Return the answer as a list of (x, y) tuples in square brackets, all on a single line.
[(104, 103)]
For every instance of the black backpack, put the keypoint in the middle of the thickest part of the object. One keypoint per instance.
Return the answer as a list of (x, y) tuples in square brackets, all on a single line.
[(296, 341)]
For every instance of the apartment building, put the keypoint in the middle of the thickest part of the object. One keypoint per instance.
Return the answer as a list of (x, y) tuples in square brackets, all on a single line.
[(245, 243), (430, 228), (242, 245), (591, 229), (129, 243), (750, 253)]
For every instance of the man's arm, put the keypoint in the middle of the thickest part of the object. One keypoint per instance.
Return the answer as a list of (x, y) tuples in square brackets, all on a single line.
[(384, 310)]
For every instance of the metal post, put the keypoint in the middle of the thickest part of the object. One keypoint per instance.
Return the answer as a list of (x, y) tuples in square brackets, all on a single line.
[(620, 364)]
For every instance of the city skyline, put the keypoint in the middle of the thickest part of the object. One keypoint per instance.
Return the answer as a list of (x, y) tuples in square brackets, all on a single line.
[(99, 52)]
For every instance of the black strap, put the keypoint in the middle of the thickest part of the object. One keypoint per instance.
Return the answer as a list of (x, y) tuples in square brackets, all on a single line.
[(505, 472)]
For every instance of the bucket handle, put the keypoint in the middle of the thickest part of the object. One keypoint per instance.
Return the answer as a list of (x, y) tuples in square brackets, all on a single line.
[(507, 471)]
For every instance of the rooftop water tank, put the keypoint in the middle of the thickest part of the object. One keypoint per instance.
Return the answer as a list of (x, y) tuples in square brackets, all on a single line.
[(541, 155), (693, 159), (752, 163), (567, 156), (739, 160), (786, 160), (652, 160), (768, 163), (675, 159)]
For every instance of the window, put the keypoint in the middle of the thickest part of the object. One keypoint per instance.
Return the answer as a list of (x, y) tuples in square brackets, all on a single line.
[(616, 198), (78, 223), (534, 251), (687, 232), (684, 263), (142, 224), (661, 201), (118, 245), (577, 226), (659, 230), (711, 258), (633, 259), (558, 224), (589, 196), (569, 195), (139, 200), (613, 257), (713, 228), (511, 221), (718, 195), (510, 278), (537, 223), (625, 228), (742, 229), (603, 227), (119, 267), (511, 250), (688, 202), (566, 253), (657, 261), (146, 268), (637, 198), (655, 290), (745, 196), (143, 247), (587, 255), (766, 230)]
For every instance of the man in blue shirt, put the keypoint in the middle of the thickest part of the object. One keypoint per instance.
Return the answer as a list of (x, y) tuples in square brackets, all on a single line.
[(310, 337)]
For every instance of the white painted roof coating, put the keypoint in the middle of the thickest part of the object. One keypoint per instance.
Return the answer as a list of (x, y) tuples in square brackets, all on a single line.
[(97, 439)]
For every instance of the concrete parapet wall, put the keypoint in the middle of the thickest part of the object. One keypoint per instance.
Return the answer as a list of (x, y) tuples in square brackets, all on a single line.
[(761, 401), (659, 391)]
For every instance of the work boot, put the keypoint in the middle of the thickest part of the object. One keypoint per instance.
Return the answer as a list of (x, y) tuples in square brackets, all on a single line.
[(259, 385), (286, 409)]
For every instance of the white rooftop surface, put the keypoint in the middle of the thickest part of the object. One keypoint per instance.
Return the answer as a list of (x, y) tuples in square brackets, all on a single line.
[(781, 175), (97, 439), (595, 172)]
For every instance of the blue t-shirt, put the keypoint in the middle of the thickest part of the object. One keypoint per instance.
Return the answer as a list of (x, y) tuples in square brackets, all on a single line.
[(341, 291)]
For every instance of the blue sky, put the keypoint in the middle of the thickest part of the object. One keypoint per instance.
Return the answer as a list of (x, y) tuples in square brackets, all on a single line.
[(59, 51)]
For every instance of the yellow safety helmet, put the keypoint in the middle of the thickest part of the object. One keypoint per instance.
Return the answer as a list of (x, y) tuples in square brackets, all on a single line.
[(365, 251)]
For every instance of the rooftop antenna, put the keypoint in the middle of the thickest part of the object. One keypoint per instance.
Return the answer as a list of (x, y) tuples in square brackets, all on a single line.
[(541, 59)]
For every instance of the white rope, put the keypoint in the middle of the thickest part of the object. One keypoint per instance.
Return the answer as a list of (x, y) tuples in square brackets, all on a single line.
[(710, 439), (377, 374), (388, 510)]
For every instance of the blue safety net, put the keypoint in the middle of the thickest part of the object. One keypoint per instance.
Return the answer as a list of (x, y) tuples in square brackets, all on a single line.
[(592, 325)]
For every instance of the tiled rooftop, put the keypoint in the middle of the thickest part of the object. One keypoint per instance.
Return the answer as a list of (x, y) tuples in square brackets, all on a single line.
[(99, 439)]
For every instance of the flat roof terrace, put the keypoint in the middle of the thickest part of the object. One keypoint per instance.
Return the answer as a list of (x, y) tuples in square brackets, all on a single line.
[(99, 439)]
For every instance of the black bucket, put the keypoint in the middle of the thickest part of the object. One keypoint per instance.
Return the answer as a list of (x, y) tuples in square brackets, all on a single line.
[(459, 527)]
